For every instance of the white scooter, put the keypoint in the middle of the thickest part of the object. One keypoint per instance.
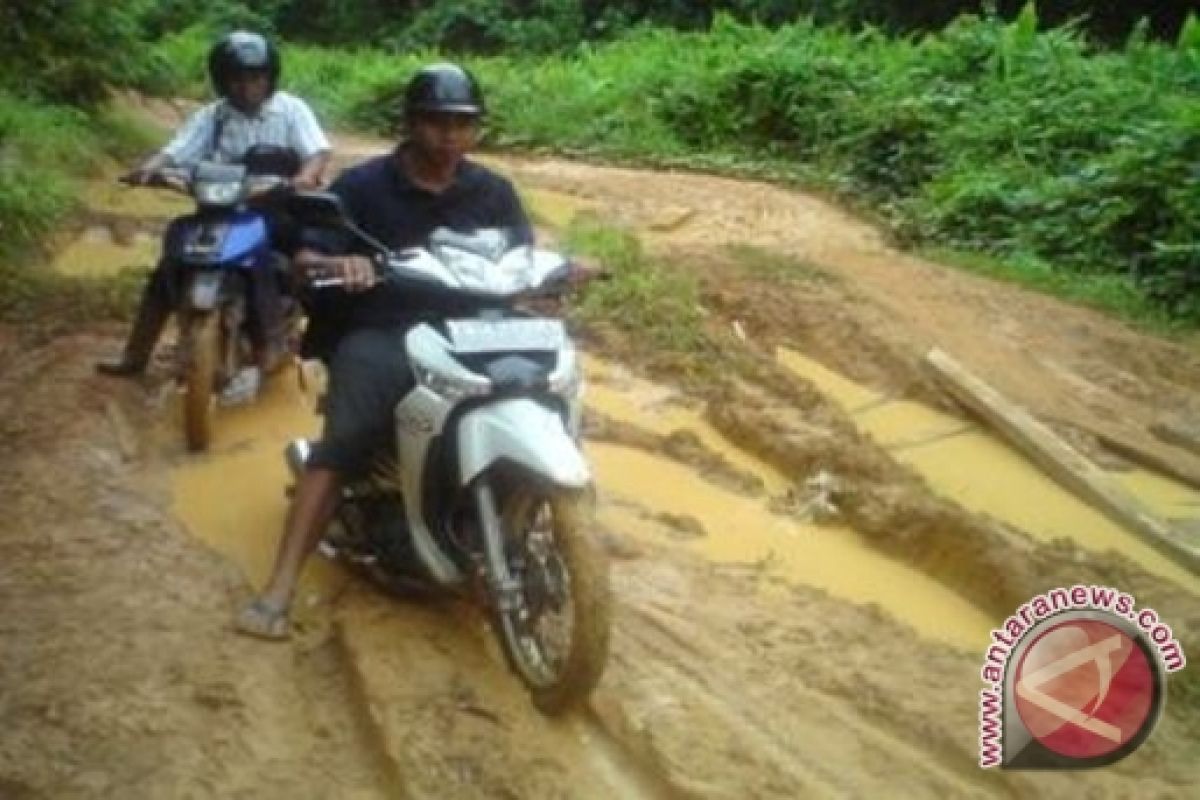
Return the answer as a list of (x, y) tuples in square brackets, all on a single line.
[(490, 493)]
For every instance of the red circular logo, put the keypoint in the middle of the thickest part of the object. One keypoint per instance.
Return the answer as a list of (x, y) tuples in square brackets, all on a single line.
[(1084, 688)]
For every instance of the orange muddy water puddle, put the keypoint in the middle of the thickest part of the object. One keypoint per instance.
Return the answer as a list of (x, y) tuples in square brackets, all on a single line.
[(233, 499), (233, 496), (978, 470), (741, 530), (108, 196), (616, 392), (94, 253)]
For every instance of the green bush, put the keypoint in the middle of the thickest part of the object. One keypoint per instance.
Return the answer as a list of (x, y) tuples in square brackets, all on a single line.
[(42, 149), (658, 304), (71, 51), (991, 137)]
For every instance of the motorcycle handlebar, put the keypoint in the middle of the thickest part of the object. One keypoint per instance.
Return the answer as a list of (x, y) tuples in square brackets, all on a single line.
[(180, 180), (573, 279)]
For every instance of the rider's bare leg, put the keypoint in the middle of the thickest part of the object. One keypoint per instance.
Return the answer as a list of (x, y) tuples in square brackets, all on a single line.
[(311, 510)]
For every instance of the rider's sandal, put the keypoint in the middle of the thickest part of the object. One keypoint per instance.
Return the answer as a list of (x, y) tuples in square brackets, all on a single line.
[(263, 620)]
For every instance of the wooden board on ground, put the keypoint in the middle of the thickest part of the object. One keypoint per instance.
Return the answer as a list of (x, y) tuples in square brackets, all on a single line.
[(1061, 461)]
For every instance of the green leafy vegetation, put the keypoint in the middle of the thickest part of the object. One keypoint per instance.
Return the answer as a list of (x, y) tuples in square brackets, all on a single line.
[(997, 136), (641, 297), (1023, 146), (43, 150)]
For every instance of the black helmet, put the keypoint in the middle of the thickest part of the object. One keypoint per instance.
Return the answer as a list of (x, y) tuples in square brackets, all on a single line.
[(443, 87), (241, 51)]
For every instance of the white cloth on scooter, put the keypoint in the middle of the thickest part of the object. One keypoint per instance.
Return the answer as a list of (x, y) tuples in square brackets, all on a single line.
[(243, 388)]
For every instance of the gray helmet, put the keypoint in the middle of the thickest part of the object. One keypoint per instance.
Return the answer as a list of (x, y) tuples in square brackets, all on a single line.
[(241, 51), (446, 88)]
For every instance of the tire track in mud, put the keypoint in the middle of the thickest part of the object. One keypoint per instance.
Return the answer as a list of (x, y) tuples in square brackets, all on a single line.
[(120, 677), (454, 722)]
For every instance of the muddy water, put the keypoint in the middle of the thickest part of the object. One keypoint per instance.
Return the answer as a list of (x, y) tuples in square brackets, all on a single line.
[(1001, 482), (551, 208), (619, 394), (107, 196), (96, 253), (127, 239), (739, 529), (245, 470), (233, 497)]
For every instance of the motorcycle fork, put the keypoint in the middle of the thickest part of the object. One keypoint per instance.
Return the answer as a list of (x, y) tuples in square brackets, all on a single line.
[(504, 589)]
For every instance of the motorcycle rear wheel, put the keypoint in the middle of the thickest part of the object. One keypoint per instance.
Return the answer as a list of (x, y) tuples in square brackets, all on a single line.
[(557, 682), (203, 341)]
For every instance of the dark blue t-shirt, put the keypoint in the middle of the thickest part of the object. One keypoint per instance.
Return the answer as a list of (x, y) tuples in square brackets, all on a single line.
[(388, 206)]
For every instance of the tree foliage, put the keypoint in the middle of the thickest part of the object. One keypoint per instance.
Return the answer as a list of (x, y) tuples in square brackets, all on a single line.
[(70, 50)]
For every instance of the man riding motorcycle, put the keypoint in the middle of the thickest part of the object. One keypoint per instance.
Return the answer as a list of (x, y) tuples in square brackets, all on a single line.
[(399, 199), (271, 132)]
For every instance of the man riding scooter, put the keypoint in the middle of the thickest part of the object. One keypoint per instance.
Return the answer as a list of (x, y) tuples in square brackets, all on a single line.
[(270, 132)]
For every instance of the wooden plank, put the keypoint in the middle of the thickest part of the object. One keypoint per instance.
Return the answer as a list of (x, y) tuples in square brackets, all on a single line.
[(1062, 462)]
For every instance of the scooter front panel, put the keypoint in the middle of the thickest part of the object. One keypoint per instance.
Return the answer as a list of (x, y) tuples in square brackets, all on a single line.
[(420, 417)]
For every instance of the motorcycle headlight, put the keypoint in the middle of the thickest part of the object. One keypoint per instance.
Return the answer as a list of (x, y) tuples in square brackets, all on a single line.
[(453, 387), (218, 193)]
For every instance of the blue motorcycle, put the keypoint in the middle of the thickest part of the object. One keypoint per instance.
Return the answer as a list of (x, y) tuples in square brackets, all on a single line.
[(218, 250)]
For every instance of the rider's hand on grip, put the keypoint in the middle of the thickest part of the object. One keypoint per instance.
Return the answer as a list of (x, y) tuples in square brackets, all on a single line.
[(583, 271), (136, 177), (352, 273)]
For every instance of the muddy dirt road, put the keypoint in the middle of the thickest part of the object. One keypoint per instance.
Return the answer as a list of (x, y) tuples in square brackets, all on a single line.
[(760, 650)]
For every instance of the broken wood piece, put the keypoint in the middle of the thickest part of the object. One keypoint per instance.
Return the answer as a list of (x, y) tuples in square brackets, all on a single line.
[(1062, 462)]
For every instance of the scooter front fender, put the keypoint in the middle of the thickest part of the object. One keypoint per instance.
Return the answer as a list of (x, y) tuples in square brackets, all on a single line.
[(204, 289), (525, 433)]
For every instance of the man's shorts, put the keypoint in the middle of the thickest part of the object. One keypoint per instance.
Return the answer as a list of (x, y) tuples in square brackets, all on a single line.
[(368, 376)]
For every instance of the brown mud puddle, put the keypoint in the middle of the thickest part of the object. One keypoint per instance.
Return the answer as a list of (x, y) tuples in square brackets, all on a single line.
[(972, 466)]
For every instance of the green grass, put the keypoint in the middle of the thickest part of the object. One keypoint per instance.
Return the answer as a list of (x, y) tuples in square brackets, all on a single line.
[(1116, 295), (45, 151), (641, 297)]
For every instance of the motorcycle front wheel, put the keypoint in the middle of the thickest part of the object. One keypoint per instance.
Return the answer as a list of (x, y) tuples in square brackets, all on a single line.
[(201, 342), (556, 639)]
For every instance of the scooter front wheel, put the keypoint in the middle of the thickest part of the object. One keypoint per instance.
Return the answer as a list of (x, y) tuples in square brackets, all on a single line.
[(556, 639), (201, 341)]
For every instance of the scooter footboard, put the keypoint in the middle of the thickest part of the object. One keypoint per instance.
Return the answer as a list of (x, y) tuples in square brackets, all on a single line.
[(523, 432)]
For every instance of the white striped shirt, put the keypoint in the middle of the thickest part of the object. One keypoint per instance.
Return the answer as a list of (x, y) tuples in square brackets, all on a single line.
[(284, 120)]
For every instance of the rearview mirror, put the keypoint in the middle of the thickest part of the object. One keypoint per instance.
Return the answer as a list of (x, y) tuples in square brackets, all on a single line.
[(326, 210), (319, 210)]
